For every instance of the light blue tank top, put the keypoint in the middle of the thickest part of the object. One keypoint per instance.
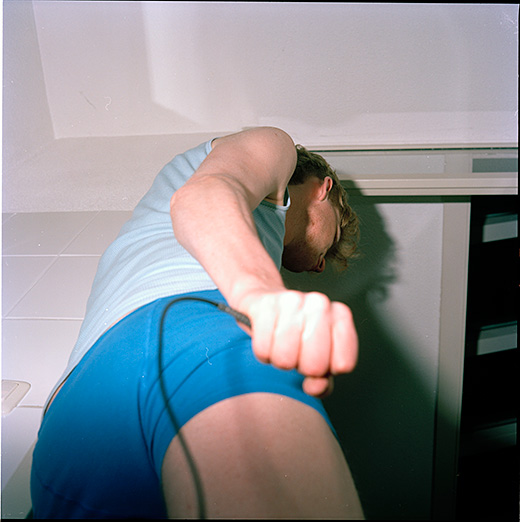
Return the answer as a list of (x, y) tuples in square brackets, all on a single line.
[(145, 262)]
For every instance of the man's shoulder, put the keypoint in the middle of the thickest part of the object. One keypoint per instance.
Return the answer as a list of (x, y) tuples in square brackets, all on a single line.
[(263, 137)]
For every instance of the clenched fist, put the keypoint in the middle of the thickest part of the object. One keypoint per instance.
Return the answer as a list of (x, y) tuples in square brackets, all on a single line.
[(303, 331)]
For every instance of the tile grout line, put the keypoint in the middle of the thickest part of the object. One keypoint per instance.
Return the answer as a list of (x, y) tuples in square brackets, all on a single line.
[(60, 254), (36, 404), (59, 250), (5, 314), (96, 214)]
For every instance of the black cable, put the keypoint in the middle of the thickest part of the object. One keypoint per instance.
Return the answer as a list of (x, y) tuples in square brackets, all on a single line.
[(191, 463)]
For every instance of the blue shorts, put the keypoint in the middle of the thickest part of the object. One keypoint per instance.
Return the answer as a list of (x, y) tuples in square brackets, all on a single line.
[(102, 442)]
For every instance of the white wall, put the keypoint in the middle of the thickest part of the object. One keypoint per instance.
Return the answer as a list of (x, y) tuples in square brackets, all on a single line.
[(27, 124), (350, 74), (384, 411), (332, 75)]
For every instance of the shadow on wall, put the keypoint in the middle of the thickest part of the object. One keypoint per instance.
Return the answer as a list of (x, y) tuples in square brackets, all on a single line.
[(382, 411)]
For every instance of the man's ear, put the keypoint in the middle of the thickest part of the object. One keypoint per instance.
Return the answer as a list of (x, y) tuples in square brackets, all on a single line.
[(325, 188)]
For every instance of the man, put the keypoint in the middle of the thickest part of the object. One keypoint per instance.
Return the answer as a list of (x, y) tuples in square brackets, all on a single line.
[(164, 409)]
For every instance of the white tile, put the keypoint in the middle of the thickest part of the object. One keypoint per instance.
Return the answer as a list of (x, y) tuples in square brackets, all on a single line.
[(16, 494), (19, 275), (19, 431), (36, 351), (42, 233), (62, 292), (98, 234)]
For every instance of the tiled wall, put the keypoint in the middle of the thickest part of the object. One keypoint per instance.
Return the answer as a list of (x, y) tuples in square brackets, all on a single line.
[(48, 263)]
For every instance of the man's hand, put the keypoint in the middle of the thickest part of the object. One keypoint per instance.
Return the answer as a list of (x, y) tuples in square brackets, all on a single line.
[(303, 331)]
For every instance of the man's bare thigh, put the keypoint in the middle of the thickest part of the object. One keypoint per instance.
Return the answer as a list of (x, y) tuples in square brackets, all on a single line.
[(259, 455)]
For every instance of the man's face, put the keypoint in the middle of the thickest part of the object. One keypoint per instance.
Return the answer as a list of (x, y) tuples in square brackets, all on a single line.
[(307, 252)]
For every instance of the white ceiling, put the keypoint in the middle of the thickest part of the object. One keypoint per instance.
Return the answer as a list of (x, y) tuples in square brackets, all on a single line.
[(331, 73), (98, 95)]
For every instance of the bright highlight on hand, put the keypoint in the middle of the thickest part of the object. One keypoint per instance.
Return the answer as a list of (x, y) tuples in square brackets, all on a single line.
[(303, 331)]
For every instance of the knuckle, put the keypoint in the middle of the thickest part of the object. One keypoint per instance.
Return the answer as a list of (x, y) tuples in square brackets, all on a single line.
[(317, 300), (261, 353), (290, 300), (342, 309), (343, 365), (261, 346), (315, 364), (283, 362)]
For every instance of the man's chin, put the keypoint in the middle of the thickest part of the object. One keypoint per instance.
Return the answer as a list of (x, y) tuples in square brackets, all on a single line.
[(295, 268)]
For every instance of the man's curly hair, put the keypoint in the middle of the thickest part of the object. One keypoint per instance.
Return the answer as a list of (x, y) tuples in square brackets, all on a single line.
[(312, 164)]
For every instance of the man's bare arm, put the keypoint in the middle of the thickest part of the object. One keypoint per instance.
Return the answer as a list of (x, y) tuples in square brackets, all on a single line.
[(212, 219)]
